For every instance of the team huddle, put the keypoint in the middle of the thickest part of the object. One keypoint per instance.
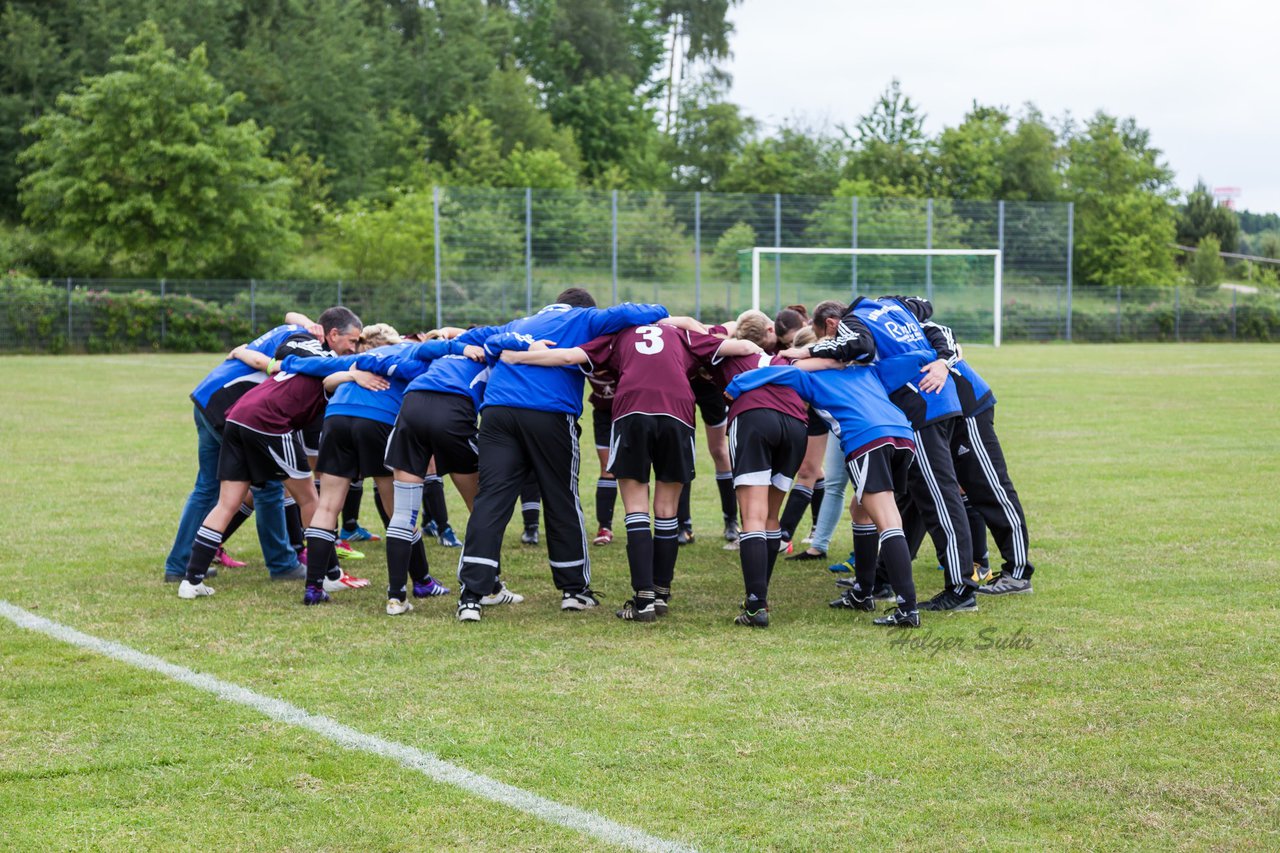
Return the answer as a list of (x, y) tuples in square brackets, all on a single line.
[(872, 398)]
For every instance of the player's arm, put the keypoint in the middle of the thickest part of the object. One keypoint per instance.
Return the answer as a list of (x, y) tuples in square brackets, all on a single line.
[(733, 347), (773, 375), (687, 323), (809, 365), (363, 378), (624, 316), (852, 344), (547, 357), (253, 358)]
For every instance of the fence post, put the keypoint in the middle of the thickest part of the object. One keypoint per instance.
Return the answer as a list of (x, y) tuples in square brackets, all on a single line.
[(1177, 313), (435, 219), (253, 307), (614, 262), (928, 244), (528, 250), (163, 325), (69, 338), (1234, 293), (1117, 312), (853, 259), (697, 255), (1071, 224), (777, 259), (339, 302)]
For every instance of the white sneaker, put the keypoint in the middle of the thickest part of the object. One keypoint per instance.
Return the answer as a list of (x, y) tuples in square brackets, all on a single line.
[(468, 611), (344, 581), (502, 596), (188, 590), (584, 600), (395, 607)]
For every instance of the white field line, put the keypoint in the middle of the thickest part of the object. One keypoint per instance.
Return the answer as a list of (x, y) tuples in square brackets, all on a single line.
[(434, 768)]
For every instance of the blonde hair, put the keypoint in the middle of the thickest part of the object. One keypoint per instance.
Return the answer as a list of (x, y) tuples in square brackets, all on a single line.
[(753, 326), (804, 337), (378, 335)]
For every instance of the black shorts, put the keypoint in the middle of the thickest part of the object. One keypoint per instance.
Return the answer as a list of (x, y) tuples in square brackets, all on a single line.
[(817, 426), (601, 424), (641, 443), (353, 448), (880, 469), (310, 435), (432, 424), (710, 400), (258, 457), (766, 448)]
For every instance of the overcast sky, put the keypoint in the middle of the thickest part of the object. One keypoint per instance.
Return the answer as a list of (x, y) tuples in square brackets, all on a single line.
[(1201, 77)]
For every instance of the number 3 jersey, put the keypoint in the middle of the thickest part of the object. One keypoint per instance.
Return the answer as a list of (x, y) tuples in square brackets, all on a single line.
[(653, 365)]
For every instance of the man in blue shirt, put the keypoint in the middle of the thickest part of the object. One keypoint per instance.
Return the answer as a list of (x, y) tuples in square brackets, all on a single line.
[(529, 425)]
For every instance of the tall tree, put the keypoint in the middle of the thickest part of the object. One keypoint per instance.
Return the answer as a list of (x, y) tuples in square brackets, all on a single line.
[(890, 150), (1202, 217)]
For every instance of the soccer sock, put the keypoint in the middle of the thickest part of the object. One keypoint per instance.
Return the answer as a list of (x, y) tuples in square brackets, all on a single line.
[(241, 516), (419, 568), (683, 513), (351, 507), (866, 550), (401, 535), (797, 503), (773, 544), (666, 548), (815, 505), (728, 500), (203, 548), (320, 553), (433, 494), (639, 549), (382, 510), (529, 512), (753, 553), (293, 522), (897, 558), (606, 499)]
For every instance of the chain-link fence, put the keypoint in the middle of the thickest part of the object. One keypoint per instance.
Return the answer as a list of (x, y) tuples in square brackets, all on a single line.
[(498, 254)]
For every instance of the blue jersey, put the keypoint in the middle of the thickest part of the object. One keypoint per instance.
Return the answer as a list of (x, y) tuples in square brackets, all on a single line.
[(555, 389), (852, 401), (397, 363), (229, 381), (454, 373)]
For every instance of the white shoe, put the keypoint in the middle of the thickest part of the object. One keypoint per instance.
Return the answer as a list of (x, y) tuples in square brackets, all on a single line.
[(395, 607), (502, 596), (344, 581), (188, 590), (468, 611)]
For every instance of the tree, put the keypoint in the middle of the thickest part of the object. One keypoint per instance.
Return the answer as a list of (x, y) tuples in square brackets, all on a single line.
[(890, 150), (143, 166), (796, 160), (727, 262), (1206, 268), (710, 134), (1201, 216)]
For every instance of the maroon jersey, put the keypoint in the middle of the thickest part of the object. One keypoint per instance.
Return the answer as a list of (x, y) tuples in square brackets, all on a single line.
[(777, 397), (286, 401), (603, 385), (653, 365)]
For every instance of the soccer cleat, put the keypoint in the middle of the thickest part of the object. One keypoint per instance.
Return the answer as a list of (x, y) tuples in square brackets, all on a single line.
[(661, 606), (346, 552), (950, 601), (753, 618), (731, 530), (603, 536), (530, 535), (883, 592), (632, 612), (429, 588), (448, 538), (784, 547), (981, 574), (344, 581), (584, 600), (395, 607), (899, 618), (1006, 585), (501, 596), (188, 590), (314, 595), (853, 601), (807, 555), (843, 567), (359, 535), (222, 558), (297, 573), (685, 536), (731, 546), (468, 611), (429, 529)]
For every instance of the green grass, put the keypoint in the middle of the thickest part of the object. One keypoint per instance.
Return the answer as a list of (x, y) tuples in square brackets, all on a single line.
[(1146, 712)]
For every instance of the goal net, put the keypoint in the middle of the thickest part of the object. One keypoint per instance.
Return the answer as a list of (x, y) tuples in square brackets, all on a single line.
[(963, 284)]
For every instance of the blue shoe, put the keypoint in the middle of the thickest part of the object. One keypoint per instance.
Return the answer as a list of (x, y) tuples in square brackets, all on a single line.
[(430, 529), (448, 538), (429, 588), (843, 567), (360, 535), (314, 595)]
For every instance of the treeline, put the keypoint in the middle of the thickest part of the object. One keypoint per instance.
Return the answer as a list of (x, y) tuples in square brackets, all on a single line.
[(207, 138)]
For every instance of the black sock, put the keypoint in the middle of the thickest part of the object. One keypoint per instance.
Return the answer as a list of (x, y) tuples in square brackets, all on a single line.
[(293, 523), (866, 551), (242, 515), (683, 513), (897, 558), (320, 551), (203, 549), (666, 548), (773, 544), (530, 504), (797, 503), (403, 535), (419, 568), (815, 505), (351, 507), (754, 556), (433, 499), (728, 500), (639, 550), (606, 498), (382, 510), (977, 529)]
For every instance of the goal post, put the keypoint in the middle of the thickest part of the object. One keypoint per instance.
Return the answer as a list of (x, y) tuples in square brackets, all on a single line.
[(995, 254)]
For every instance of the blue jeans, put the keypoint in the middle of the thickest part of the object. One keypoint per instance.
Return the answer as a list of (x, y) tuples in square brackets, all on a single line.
[(268, 509), (833, 503)]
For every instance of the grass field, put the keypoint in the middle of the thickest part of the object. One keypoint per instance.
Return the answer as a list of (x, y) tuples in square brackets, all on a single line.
[(1145, 712)]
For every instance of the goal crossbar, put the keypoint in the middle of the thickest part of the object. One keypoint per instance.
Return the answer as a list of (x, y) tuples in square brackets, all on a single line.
[(997, 254)]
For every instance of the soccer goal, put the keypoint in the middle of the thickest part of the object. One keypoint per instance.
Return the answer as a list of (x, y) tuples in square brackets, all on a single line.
[(964, 284)]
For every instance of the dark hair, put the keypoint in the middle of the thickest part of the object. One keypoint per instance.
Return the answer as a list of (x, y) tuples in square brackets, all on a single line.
[(801, 310), (341, 318), (577, 297), (787, 321), (824, 311)]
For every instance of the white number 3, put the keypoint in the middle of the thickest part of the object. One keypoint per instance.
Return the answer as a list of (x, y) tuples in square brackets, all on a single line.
[(652, 343)]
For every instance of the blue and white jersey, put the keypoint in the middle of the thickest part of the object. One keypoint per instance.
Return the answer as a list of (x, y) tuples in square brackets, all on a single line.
[(975, 394), (555, 389), (852, 401), (454, 373), (231, 379), (398, 365)]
